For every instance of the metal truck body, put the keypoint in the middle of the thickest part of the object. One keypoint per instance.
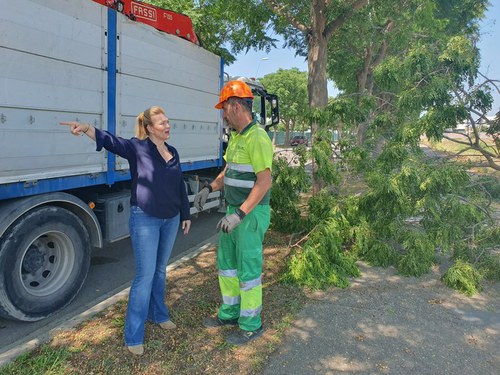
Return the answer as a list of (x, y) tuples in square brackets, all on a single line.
[(65, 60)]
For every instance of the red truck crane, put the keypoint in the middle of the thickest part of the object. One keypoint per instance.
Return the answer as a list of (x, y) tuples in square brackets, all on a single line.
[(161, 19)]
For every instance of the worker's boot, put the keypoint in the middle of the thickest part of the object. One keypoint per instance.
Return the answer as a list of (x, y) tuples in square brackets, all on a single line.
[(218, 322), (242, 337)]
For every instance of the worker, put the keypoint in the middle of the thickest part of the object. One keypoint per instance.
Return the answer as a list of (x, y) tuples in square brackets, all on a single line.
[(246, 180)]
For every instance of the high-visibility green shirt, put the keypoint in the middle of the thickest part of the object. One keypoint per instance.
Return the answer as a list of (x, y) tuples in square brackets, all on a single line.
[(248, 153)]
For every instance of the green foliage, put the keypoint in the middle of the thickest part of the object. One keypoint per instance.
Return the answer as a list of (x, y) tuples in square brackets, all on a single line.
[(438, 119), (357, 44), (355, 158), (288, 183), (327, 171), (341, 117), (490, 268), (322, 262), (413, 207), (392, 156), (401, 58), (349, 111), (450, 220), (481, 99), (419, 256), (462, 55), (409, 250), (374, 251), (48, 361), (429, 61), (291, 87), (462, 276), (491, 185), (320, 206), (449, 208), (484, 261), (384, 203), (479, 251), (494, 128)]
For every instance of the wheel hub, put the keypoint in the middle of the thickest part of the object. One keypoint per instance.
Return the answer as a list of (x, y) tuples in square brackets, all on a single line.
[(34, 259)]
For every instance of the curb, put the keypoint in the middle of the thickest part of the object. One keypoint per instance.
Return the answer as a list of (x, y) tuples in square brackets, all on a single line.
[(21, 346)]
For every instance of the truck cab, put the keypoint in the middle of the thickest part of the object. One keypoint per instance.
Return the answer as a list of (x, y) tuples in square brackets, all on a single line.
[(266, 105)]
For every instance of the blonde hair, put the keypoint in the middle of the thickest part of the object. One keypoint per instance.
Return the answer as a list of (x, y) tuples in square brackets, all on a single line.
[(144, 119)]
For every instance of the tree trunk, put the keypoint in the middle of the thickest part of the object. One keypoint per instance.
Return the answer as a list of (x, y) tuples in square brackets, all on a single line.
[(365, 78), (287, 133), (317, 55), (317, 58)]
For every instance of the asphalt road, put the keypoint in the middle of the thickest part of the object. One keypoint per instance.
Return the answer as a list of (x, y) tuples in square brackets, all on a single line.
[(111, 271)]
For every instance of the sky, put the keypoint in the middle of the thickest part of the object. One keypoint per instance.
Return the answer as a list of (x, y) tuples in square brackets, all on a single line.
[(258, 63)]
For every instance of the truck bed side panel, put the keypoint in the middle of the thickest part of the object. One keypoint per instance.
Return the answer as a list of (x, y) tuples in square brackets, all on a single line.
[(52, 70), (161, 69), (54, 58)]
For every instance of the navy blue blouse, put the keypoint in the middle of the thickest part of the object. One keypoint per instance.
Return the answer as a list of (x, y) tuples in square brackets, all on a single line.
[(157, 185)]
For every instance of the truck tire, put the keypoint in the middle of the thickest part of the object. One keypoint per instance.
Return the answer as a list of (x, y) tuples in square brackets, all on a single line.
[(44, 261)]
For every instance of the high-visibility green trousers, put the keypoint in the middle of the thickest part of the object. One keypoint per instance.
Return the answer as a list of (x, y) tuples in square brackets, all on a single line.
[(239, 260)]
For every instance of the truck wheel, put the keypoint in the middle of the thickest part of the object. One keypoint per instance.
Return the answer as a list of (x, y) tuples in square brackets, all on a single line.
[(44, 260)]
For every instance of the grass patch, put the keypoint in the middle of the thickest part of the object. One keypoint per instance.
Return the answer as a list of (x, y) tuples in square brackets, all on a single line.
[(45, 360), (450, 149)]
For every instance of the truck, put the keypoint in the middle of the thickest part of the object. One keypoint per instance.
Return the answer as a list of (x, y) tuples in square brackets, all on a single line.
[(101, 62)]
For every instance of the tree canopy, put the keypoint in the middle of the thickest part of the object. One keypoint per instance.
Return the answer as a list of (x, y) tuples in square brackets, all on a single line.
[(291, 87)]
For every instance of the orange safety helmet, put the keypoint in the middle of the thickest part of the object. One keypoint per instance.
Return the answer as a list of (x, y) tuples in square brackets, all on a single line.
[(234, 88)]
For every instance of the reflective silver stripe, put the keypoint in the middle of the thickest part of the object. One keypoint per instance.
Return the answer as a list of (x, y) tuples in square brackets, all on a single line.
[(231, 300), (251, 312), (247, 285), (227, 273), (240, 167), (238, 183)]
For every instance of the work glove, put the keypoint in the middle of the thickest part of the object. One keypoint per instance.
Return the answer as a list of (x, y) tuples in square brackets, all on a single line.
[(229, 222), (201, 197)]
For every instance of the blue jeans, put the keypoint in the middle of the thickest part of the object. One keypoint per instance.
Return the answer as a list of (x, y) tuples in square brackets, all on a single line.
[(152, 242)]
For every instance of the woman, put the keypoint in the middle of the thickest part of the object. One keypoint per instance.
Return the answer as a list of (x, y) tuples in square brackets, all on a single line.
[(158, 202)]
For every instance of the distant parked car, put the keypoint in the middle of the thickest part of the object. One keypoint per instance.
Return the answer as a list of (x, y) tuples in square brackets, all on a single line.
[(299, 140)]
